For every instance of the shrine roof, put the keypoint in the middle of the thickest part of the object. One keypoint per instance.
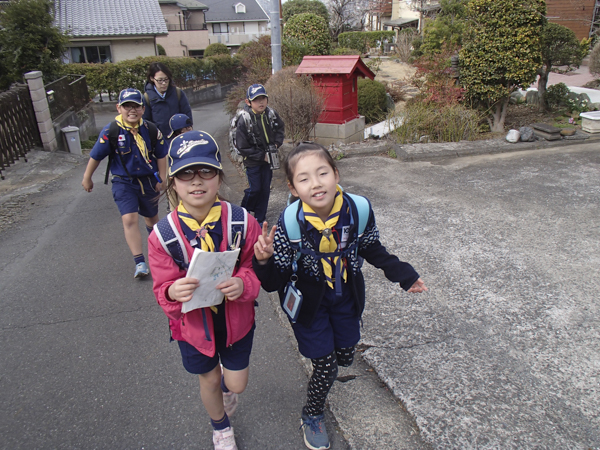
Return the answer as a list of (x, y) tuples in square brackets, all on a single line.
[(335, 65)]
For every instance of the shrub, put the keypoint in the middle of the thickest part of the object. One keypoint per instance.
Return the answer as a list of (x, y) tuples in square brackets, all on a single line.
[(396, 90), (557, 95), (371, 100), (404, 44), (345, 51), (161, 50), (297, 101), (595, 59), (225, 69), (294, 7), (364, 40), (434, 78), (446, 123), (310, 29), (293, 50), (216, 49)]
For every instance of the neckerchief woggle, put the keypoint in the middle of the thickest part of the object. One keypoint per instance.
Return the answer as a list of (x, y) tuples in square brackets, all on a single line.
[(201, 229), (328, 243)]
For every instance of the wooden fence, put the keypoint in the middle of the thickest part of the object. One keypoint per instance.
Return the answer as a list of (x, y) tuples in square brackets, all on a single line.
[(18, 126)]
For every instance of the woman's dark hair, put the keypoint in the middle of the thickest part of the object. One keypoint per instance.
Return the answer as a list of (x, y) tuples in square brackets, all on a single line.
[(289, 165), (156, 67)]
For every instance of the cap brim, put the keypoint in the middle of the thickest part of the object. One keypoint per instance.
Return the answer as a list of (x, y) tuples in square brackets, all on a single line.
[(191, 162), (259, 95)]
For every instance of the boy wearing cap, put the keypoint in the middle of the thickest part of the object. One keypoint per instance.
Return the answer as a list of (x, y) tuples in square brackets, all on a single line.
[(179, 123), (266, 129), (138, 166)]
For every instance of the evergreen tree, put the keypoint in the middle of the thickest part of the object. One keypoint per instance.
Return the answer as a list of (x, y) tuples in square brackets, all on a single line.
[(29, 40)]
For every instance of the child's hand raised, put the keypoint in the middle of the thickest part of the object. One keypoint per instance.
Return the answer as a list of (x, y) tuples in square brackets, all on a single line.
[(183, 289), (418, 286), (263, 248)]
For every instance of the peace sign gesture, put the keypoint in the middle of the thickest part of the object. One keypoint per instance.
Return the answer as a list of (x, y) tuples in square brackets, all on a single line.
[(263, 248)]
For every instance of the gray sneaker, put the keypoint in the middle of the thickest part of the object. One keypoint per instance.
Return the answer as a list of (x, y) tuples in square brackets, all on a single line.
[(315, 434), (141, 270)]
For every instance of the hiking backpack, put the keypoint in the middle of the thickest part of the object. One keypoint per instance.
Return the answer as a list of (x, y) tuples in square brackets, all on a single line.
[(173, 242), (113, 140), (250, 127)]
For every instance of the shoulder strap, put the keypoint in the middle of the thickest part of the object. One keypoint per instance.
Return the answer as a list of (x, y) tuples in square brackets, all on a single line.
[(171, 240), (290, 221), (147, 98), (153, 130), (113, 135), (178, 93), (237, 225), (362, 206)]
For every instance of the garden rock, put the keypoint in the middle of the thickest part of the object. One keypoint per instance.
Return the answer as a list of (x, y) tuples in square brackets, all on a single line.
[(531, 98), (389, 103), (567, 132), (516, 97), (527, 134), (513, 136)]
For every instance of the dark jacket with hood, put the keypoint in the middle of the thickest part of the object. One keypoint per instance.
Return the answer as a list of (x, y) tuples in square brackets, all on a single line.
[(160, 110)]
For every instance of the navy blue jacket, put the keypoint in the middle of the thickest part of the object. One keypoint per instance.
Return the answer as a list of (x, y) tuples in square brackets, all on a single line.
[(254, 155), (311, 281), (160, 110)]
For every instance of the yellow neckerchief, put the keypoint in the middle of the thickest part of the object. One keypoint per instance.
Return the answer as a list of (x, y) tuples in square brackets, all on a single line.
[(328, 244), (201, 229), (135, 131), (262, 121)]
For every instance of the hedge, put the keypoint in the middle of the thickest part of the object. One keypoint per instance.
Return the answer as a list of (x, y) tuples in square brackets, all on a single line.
[(111, 78), (364, 40)]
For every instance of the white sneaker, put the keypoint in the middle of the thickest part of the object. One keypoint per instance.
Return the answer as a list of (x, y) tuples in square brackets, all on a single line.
[(224, 439)]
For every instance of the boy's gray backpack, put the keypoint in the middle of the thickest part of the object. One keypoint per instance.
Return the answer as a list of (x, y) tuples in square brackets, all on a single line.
[(250, 126)]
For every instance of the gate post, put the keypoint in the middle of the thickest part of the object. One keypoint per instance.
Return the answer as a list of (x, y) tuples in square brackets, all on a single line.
[(42, 110)]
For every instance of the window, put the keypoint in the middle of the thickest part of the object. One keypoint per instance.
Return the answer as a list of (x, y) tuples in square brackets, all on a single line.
[(196, 54), (220, 28), (240, 8), (91, 54)]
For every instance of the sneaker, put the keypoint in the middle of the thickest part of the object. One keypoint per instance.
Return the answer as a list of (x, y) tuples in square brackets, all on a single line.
[(230, 402), (141, 270), (224, 439), (315, 434)]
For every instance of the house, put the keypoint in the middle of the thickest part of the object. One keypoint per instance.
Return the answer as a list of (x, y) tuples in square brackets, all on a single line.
[(411, 13), (110, 30), (186, 22), (379, 11), (578, 15), (235, 22)]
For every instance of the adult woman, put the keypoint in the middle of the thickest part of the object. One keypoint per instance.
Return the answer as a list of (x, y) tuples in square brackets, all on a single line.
[(162, 99)]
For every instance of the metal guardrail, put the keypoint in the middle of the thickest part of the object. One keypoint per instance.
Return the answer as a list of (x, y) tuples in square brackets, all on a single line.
[(67, 93)]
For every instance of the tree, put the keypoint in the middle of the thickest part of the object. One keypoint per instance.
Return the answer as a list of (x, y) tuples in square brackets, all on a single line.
[(347, 15), (501, 52), (29, 40), (447, 28), (294, 7), (560, 47), (216, 49), (309, 29)]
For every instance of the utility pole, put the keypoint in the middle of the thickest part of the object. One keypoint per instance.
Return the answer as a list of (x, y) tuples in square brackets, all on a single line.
[(276, 35)]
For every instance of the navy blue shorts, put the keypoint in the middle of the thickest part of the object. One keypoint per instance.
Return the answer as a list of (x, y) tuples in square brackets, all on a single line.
[(236, 357), (129, 197), (336, 325)]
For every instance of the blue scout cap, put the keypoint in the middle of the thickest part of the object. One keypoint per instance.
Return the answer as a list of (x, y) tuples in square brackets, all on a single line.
[(177, 122), (256, 90), (130, 95), (193, 148)]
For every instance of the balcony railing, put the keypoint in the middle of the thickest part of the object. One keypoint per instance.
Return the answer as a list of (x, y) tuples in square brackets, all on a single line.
[(188, 27)]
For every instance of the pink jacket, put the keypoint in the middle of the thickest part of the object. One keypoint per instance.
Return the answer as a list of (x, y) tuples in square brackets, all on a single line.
[(190, 327)]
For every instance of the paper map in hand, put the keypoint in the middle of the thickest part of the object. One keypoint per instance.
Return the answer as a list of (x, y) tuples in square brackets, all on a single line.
[(210, 269)]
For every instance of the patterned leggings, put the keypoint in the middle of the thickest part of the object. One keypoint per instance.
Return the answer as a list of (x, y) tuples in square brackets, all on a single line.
[(325, 371)]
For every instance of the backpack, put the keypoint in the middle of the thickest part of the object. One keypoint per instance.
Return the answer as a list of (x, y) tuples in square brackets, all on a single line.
[(113, 140), (293, 213), (252, 133), (173, 243)]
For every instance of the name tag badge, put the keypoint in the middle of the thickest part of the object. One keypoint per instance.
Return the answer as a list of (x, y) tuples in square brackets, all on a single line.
[(345, 234), (292, 302), (121, 137)]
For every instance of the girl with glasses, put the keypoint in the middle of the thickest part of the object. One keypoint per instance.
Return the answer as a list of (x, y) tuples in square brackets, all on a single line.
[(163, 99)]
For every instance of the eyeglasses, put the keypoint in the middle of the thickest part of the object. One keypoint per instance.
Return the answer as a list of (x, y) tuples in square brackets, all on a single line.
[(130, 106), (162, 80), (206, 173)]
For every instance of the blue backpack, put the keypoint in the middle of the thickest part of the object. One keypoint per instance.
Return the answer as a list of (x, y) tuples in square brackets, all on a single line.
[(293, 214), (173, 242)]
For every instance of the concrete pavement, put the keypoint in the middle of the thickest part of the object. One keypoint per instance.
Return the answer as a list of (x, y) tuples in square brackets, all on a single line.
[(502, 353)]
